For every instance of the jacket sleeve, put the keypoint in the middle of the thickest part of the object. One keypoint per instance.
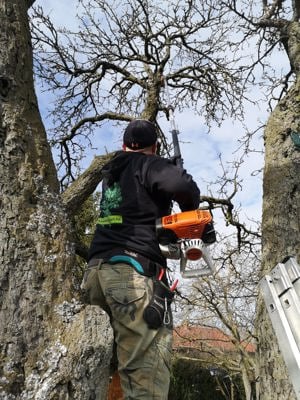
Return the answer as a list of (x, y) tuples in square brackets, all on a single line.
[(165, 177)]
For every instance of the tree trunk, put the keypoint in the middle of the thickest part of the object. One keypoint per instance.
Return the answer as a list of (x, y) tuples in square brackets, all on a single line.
[(52, 347), (280, 231)]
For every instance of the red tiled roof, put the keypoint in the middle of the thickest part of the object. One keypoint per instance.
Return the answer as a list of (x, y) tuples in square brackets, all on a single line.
[(192, 337)]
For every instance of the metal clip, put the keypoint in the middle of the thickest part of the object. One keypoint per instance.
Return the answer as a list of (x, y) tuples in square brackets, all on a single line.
[(167, 319)]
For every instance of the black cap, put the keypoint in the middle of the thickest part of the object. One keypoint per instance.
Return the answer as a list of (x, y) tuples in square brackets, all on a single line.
[(139, 134)]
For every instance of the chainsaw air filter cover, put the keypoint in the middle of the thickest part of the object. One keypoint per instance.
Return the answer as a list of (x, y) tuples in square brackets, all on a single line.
[(192, 249)]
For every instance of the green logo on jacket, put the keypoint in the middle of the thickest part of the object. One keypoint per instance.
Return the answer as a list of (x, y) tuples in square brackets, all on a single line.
[(111, 199)]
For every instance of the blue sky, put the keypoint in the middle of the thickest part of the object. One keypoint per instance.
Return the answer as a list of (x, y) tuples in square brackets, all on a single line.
[(200, 153)]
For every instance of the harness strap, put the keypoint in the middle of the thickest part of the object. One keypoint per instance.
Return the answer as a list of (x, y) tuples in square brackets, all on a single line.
[(141, 264), (128, 260)]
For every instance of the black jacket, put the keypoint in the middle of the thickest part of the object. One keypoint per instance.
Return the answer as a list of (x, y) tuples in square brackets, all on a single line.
[(137, 189)]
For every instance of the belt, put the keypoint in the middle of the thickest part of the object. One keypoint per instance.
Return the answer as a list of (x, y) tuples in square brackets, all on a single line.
[(142, 265), (117, 259)]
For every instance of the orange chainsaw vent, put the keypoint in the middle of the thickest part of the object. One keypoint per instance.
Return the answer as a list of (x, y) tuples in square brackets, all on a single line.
[(187, 224)]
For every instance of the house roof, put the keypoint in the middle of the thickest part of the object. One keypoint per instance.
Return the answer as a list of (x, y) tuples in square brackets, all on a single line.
[(202, 337)]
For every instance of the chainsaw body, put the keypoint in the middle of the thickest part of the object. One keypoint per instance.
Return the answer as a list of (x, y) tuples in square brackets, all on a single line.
[(186, 236)]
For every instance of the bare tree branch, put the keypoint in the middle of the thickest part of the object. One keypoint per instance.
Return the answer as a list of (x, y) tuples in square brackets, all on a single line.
[(117, 74), (85, 185)]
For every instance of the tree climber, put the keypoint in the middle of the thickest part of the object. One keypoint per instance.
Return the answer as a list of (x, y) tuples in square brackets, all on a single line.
[(126, 269)]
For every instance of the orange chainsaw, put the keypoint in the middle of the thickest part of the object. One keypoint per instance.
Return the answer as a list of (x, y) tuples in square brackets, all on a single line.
[(186, 235)]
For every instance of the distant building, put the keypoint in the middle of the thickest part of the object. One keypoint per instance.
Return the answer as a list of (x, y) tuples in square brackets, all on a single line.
[(193, 337)]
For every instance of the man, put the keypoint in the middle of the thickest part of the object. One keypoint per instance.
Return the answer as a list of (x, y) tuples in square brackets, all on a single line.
[(126, 274)]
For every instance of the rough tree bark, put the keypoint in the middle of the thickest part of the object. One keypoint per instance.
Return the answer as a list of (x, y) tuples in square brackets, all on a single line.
[(281, 218), (51, 346)]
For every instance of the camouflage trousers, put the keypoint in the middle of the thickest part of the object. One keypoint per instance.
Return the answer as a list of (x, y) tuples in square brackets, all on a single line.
[(144, 355)]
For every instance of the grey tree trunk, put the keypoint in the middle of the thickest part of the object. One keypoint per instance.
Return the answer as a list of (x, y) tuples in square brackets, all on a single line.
[(51, 346), (280, 226)]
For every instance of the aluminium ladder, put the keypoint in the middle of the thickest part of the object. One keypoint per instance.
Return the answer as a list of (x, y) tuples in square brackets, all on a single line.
[(281, 291)]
